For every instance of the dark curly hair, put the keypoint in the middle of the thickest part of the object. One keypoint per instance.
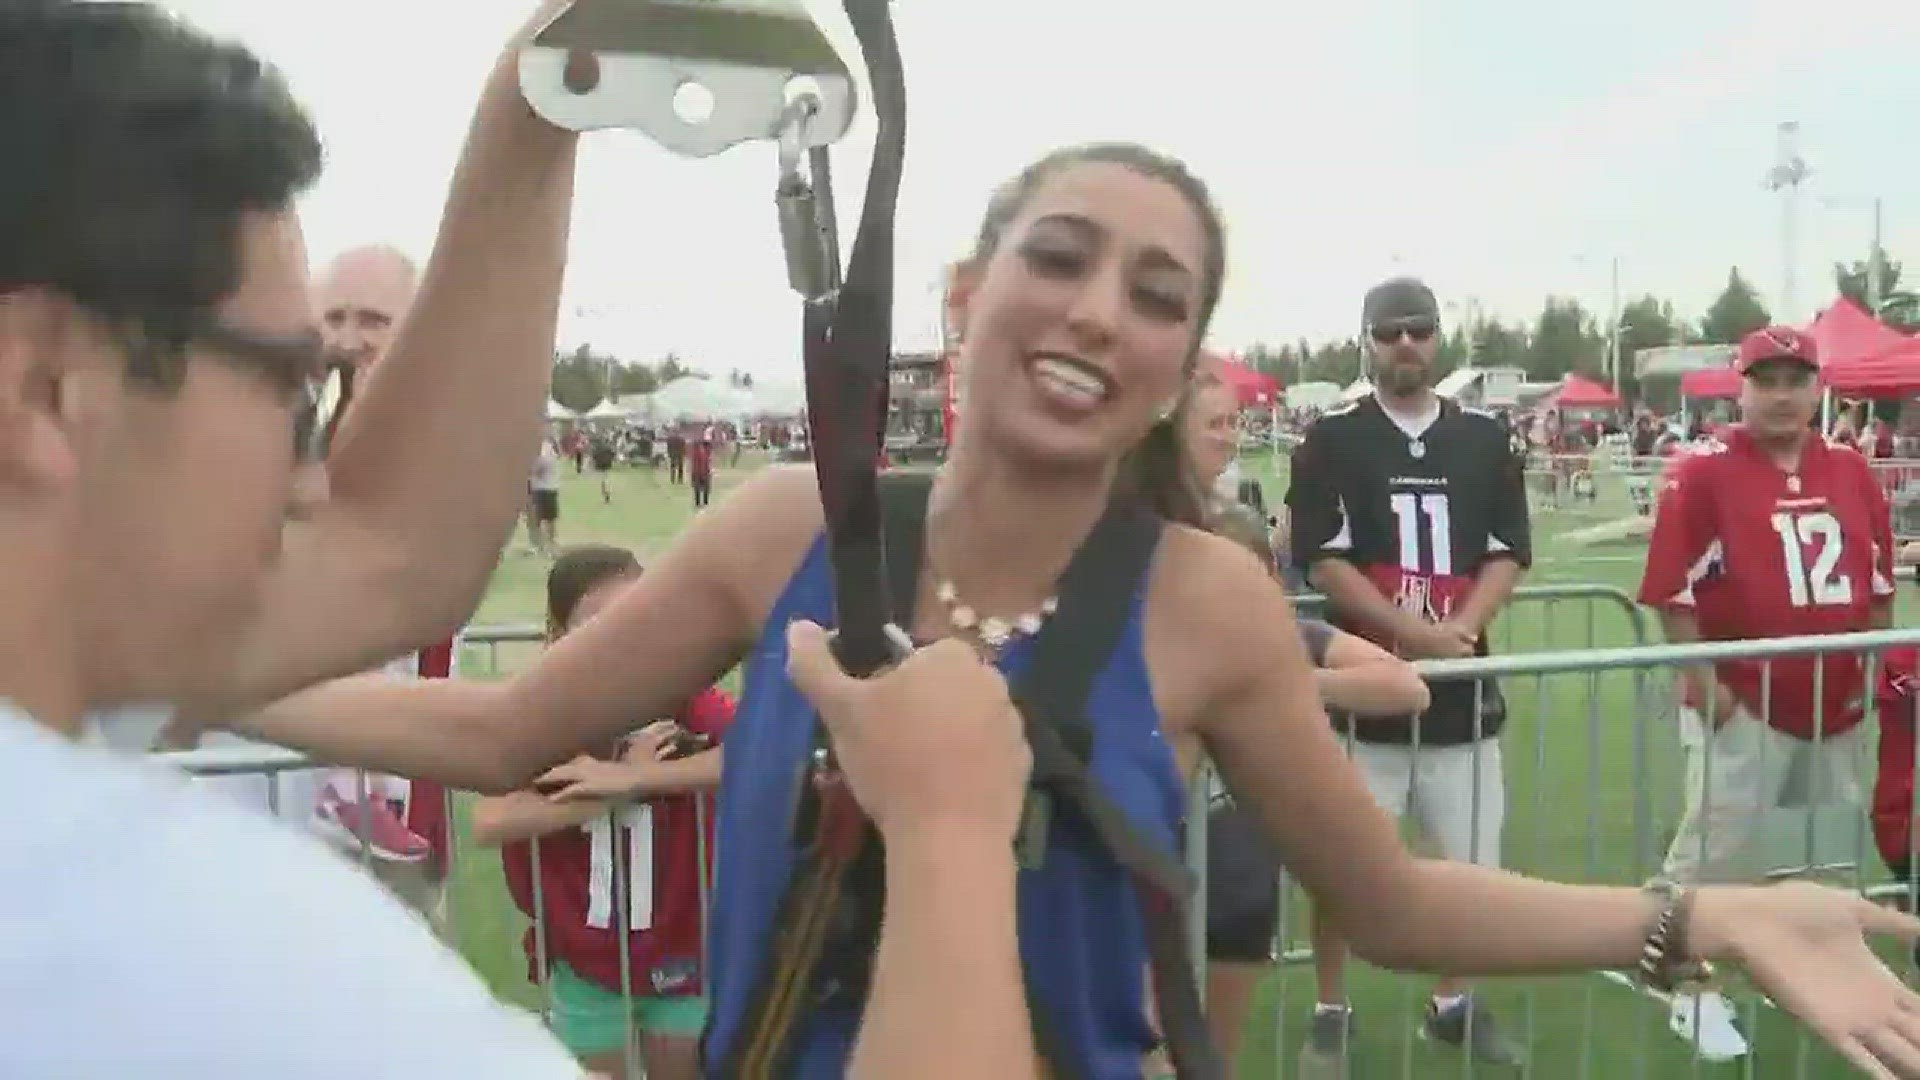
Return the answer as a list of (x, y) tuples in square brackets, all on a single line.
[(133, 145)]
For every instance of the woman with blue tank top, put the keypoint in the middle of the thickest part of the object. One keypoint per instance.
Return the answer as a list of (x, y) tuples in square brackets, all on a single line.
[(1080, 312)]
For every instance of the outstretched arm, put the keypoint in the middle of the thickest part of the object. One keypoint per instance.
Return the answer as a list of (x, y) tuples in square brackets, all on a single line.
[(1281, 757), (523, 815), (668, 636), (1360, 677), (424, 497)]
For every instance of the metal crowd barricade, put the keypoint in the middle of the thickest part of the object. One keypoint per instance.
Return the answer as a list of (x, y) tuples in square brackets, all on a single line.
[(1581, 807), (231, 757), (1606, 482), (1551, 598), (1587, 801), (1900, 481)]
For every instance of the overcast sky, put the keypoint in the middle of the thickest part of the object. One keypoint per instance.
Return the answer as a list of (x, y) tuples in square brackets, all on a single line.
[(1503, 149)]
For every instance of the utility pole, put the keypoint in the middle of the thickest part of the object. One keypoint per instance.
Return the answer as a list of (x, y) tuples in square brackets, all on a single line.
[(1788, 173), (1613, 326), (1876, 263)]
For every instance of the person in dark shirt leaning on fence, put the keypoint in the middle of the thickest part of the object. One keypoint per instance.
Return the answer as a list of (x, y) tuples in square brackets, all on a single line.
[(1769, 532), (1408, 513)]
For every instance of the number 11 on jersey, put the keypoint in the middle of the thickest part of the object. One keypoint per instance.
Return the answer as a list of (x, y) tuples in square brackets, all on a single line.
[(1423, 512)]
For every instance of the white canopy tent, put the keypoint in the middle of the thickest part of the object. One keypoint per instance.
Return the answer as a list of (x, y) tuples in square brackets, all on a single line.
[(1311, 395), (606, 410), (778, 398), (694, 397), (558, 412)]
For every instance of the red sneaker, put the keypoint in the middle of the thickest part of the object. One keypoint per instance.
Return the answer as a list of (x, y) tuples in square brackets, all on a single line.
[(347, 822)]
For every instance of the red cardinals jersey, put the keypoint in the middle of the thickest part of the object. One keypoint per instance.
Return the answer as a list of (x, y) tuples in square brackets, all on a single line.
[(1893, 785), (659, 843), (425, 809), (1758, 552)]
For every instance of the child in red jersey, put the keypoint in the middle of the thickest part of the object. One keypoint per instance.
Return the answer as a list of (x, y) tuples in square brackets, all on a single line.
[(629, 829)]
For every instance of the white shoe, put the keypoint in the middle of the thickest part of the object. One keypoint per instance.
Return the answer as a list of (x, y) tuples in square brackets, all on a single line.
[(1707, 1021)]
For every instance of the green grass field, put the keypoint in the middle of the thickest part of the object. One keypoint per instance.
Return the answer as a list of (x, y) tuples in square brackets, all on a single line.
[(1579, 808)]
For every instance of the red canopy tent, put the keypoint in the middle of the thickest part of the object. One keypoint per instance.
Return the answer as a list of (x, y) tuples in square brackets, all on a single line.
[(1254, 388), (1723, 383), (1579, 392), (1845, 332), (1892, 372)]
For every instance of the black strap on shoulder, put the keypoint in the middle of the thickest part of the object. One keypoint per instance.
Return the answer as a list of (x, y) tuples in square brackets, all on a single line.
[(1096, 597)]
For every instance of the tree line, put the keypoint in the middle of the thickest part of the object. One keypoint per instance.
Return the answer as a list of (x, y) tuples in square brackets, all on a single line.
[(586, 376), (1563, 338), (1567, 338)]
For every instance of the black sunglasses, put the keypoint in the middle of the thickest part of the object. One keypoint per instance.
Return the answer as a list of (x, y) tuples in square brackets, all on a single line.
[(1417, 329), (294, 364)]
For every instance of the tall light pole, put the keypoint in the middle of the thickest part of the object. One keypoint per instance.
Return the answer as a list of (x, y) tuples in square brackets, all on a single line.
[(1614, 315), (1788, 173)]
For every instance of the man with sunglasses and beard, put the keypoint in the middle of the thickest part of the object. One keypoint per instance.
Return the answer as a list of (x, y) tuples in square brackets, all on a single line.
[(1410, 514), (1766, 532)]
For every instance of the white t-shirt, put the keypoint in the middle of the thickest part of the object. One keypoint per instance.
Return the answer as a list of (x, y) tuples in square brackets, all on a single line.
[(546, 469), (150, 929)]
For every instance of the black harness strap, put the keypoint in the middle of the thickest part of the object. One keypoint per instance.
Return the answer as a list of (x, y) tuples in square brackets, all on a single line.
[(847, 344), (1096, 594)]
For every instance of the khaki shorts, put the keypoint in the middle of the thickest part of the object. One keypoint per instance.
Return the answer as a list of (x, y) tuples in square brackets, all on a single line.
[(1456, 794), (1738, 775)]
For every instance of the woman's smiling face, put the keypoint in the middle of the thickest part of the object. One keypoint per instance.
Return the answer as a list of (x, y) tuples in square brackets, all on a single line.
[(1079, 325)]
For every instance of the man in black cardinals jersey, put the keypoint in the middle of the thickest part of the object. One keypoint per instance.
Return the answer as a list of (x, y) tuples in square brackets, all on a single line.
[(1410, 514)]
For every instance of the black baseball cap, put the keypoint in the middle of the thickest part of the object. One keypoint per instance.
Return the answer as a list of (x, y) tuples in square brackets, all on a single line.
[(1398, 299)]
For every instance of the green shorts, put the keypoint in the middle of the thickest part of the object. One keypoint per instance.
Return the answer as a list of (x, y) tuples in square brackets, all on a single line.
[(589, 1019)]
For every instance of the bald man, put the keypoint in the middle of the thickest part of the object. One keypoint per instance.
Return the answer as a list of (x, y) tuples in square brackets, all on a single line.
[(362, 296), (360, 299)]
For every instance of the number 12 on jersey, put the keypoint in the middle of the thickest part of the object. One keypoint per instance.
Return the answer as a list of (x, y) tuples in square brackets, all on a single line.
[(1819, 584), (1425, 513)]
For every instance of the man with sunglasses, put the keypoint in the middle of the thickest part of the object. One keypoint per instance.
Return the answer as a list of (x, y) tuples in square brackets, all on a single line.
[(1410, 514), (1767, 531), (167, 536)]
